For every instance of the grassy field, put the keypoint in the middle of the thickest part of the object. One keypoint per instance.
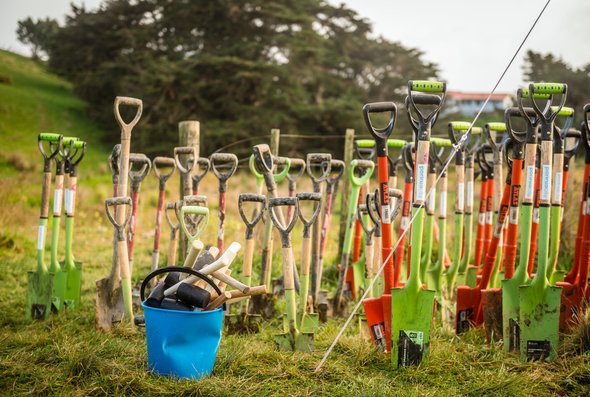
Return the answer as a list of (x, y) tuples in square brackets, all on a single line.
[(67, 356)]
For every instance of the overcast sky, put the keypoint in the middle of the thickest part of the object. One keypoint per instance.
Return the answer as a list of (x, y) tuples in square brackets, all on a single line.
[(471, 40)]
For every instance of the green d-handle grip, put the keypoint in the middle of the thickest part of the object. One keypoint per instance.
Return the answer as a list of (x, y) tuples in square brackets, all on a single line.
[(526, 93), (277, 177), (476, 130), (496, 126), (548, 88), (67, 146), (365, 143), (380, 134), (427, 86), (286, 163), (564, 111), (194, 210), (186, 150), (441, 142), (367, 165), (456, 130), (127, 127), (55, 143), (395, 143)]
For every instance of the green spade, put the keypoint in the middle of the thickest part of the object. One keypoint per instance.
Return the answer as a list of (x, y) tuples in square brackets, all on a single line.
[(540, 302), (40, 282), (412, 306), (71, 266)]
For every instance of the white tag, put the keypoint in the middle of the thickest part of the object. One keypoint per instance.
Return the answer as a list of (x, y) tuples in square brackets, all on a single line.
[(470, 193), (443, 205), (69, 202), (67, 199), (584, 212), (386, 214), (41, 238), (546, 182), (481, 218), (404, 222), (461, 196), (489, 218), (421, 182), (557, 187), (529, 188), (57, 199), (513, 215), (432, 200), (535, 215)]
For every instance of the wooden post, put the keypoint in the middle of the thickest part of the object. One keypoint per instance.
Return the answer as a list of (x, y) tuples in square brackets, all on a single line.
[(188, 135), (275, 135), (345, 186)]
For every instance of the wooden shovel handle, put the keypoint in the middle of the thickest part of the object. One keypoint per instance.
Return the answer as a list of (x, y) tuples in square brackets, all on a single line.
[(220, 300), (126, 128), (227, 279)]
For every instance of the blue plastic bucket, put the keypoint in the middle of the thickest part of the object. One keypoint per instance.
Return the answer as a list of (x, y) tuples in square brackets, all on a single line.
[(181, 343)]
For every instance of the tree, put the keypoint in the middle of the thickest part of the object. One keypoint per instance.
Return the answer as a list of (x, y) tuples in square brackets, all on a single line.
[(241, 68), (38, 35), (547, 67)]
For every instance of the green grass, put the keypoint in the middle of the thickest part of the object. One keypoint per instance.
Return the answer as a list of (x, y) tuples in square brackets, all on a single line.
[(67, 356)]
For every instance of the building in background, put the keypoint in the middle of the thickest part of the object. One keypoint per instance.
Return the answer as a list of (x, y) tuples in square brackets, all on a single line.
[(469, 103)]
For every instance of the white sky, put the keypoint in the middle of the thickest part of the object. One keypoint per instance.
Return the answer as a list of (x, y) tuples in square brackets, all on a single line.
[(471, 40)]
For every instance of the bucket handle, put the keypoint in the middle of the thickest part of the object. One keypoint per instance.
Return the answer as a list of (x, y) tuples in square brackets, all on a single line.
[(181, 269)]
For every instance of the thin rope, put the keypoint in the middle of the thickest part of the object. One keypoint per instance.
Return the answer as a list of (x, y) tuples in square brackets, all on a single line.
[(444, 169)]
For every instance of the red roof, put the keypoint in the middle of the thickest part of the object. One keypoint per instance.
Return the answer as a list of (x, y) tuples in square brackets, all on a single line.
[(481, 96)]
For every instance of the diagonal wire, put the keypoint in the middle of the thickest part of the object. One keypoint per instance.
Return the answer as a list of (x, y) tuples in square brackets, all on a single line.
[(456, 147)]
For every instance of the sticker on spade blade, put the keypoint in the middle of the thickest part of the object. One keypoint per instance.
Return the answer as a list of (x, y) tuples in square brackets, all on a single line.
[(421, 182), (529, 187), (464, 319), (537, 350), (443, 205), (378, 333), (514, 335), (410, 348), (546, 182)]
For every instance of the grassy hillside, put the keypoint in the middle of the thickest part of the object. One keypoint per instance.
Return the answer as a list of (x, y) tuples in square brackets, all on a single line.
[(66, 356)]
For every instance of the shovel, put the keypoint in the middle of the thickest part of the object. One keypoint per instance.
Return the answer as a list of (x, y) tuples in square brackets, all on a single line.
[(456, 129), (262, 163), (292, 338), (204, 165), (337, 168), (309, 320), (122, 309), (40, 282), (365, 169), (244, 321), (412, 306), (224, 165), (72, 267), (510, 287), (572, 295), (315, 162), (111, 289), (540, 302), (159, 163), (469, 310), (136, 177), (60, 276), (296, 170), (559, 182)]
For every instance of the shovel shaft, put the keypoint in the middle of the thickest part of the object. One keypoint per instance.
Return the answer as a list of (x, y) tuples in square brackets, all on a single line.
[(386, 237), (173, 247), (158, 228), (571, 276), (404, 224), (326, 220), (132, 226), (512, 231), (468, 217), (221, 221)]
